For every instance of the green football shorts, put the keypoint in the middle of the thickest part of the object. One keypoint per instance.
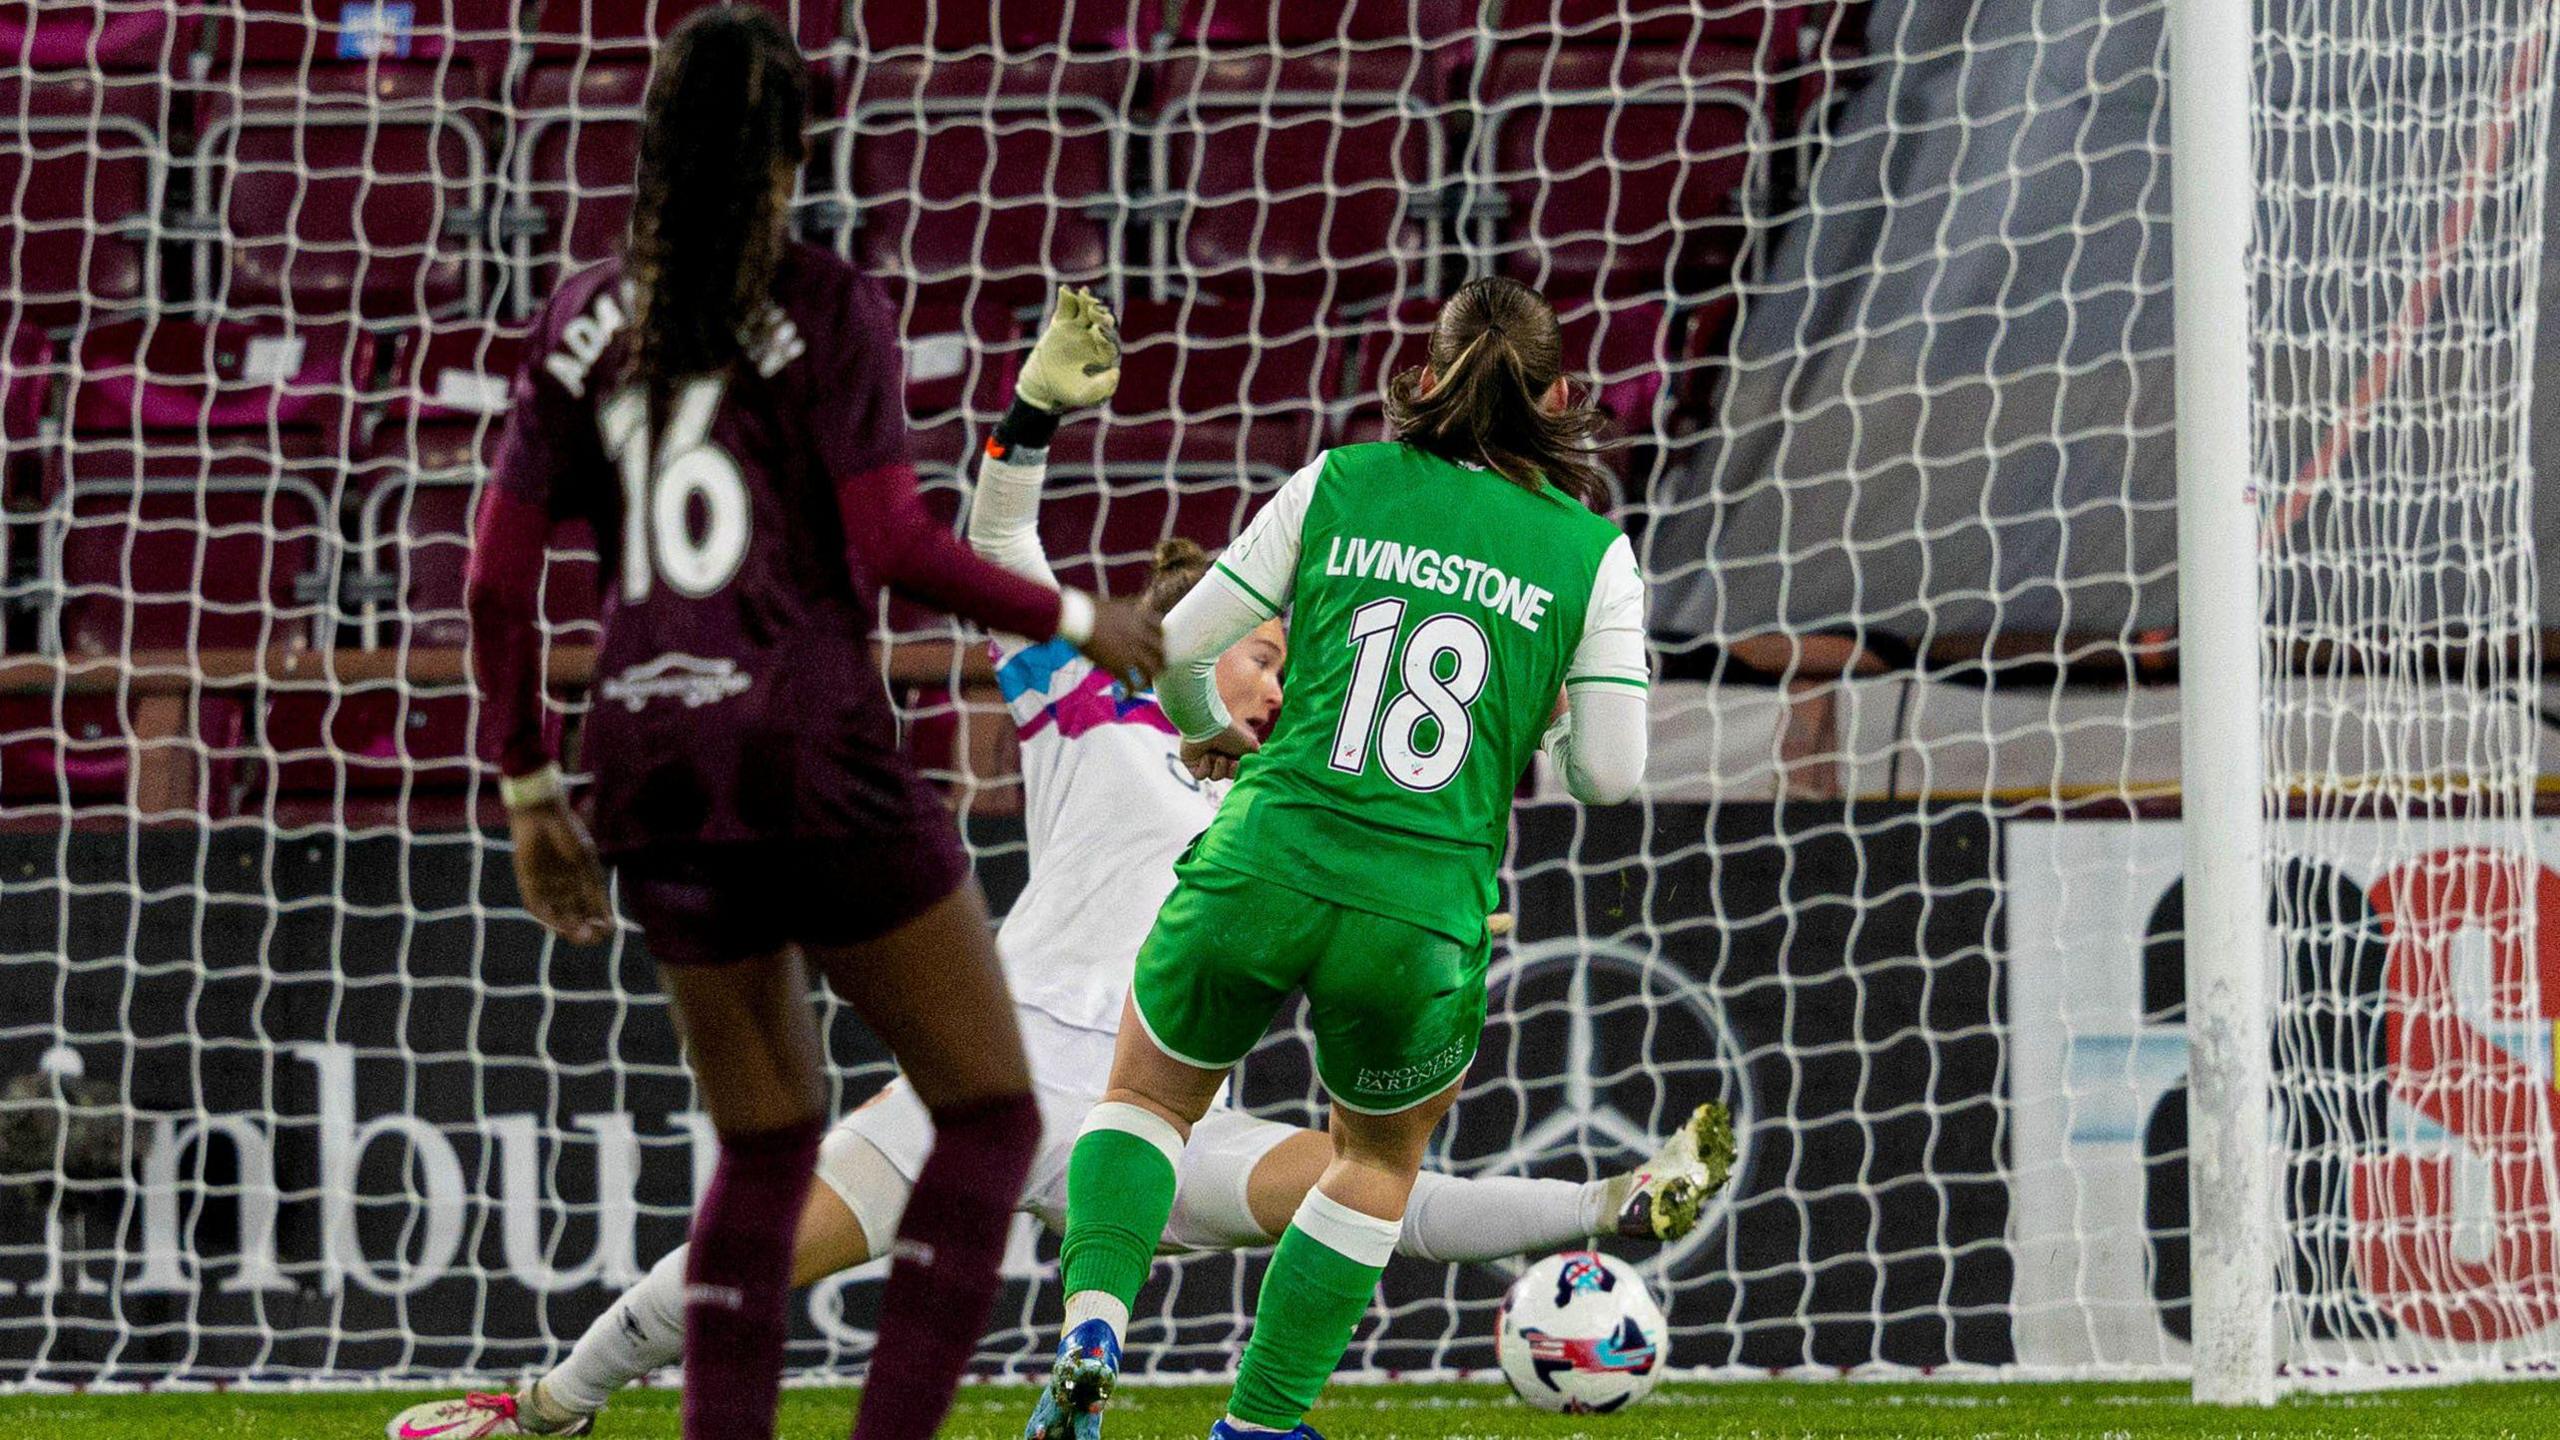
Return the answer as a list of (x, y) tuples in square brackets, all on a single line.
[(1396, 1009)]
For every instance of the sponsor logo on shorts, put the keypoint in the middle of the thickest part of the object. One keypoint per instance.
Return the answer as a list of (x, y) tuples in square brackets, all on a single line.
[(689, 678), (1405, 1077)]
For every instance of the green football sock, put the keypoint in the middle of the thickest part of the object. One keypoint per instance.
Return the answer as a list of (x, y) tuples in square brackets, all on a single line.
[(1320, 1283), (1119, 1196)]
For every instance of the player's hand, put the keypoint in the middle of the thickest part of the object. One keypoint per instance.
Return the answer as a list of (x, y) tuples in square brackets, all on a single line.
[(1216, 757), (558, 873), (1127, 642), (1077, 362)]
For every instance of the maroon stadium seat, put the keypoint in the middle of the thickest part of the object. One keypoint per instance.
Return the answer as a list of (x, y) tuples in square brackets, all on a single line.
[(1218, 403), (1392, 344), (81, 160), (1101, 533), (577, 144), (404, 34), (1302, 174), (1745, 23), (1012, 26), (1619, 351), (1427, 41), (410, 493), (27, 374), (76, 751), (577, 116), (343, 190), (201, 469), (438, 430), (988, 180), (114, 35), (1621, 169), (1204, 361), (961, 359), (624, 32)]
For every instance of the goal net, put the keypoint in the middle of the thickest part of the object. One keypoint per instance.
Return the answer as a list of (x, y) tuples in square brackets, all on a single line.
[(1878, 293)]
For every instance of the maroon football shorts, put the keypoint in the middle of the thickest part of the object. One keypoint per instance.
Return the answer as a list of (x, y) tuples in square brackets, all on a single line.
[(716, 904)]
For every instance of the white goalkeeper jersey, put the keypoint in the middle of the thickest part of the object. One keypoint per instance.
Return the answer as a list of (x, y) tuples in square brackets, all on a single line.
[(1107, 808)]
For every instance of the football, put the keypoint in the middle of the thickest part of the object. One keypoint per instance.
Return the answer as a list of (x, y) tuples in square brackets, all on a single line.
[(1579, 1333)]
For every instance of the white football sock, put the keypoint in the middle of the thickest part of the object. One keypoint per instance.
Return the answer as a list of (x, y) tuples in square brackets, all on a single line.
[(1493, 1217), (1097, 1305), (640, 1332)]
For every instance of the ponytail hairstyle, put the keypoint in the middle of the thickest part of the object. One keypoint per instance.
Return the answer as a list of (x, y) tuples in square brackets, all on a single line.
[(1179, 565), (728, 105), (1495, 353)]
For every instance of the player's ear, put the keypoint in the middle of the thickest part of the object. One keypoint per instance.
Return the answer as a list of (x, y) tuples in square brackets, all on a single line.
[(1430, 382), (1557, 397)]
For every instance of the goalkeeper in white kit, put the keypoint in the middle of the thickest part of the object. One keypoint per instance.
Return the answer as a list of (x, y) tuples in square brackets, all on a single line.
[(1109, 807)]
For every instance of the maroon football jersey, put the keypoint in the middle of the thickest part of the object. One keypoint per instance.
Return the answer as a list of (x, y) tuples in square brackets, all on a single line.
[(745, 537)]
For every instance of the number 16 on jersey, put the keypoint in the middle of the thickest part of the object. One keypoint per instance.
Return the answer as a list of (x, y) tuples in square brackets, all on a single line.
[(659, 485), (1442, 641)]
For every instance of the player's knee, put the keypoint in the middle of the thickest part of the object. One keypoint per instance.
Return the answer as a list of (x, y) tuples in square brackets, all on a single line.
[(856, 1206), (994, 1140), (1177, 1111)]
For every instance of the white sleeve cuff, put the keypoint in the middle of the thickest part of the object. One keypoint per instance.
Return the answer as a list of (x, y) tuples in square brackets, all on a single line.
[(1075, 617), (523, 792)]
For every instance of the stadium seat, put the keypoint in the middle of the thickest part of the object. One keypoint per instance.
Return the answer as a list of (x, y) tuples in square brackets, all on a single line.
[(1101, 528), (338, 191), (1616, 169), (27, 373), (77, 751), (1619, 351), (415, 483), (1206, 362), (438, 429), (1749, 24), (1380, 23), (1317, 175), (1211, 395), (196, 490), (146, 36), (1010, 26), (623, 32), (577, 116), (296, 35), (983, 180), (961, 359), (81, 158)]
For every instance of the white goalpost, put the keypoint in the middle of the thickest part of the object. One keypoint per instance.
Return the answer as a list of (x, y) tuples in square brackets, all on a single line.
[(2222, 789)]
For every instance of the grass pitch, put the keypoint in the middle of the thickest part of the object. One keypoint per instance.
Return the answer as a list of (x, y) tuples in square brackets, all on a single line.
[(1760, 1410)]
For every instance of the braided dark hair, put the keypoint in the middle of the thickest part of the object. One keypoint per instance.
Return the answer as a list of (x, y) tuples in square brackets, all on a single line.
[(728, 106), (1495, 353)]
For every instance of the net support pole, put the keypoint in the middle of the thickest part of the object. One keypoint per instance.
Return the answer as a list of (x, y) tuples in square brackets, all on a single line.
[(2230, 1000)]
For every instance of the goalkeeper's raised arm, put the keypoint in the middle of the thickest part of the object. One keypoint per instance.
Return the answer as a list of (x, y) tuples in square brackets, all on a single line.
[(1075, 365)]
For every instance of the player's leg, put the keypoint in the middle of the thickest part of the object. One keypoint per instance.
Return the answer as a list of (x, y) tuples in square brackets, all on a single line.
[(1242, 1179), (752, 1039), (1397, 1011), (1325, 1270), (643, 1330), (933, 990), (1225, 950)]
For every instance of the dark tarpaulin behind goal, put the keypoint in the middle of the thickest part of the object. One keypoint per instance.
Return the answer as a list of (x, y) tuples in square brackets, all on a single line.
[(377, 1127)]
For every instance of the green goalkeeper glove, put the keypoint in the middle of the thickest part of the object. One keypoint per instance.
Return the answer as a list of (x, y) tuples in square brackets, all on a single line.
[(1077, 362)]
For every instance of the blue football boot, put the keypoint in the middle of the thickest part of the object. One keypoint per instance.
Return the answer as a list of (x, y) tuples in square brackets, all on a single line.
[(1079, 1386), (1225, 1431)]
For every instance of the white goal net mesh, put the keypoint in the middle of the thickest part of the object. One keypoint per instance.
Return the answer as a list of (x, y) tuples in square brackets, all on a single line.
[(1878, 292)]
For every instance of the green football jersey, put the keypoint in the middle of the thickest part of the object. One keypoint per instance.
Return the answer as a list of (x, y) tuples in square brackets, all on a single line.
[(1436, 613)]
